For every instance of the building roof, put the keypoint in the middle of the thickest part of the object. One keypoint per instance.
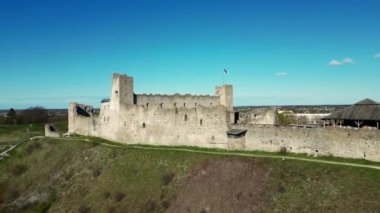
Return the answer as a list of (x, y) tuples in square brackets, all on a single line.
[(365, 110), (236, 133)]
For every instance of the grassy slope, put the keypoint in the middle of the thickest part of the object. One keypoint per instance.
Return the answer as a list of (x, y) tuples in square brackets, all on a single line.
[(75, 176), (70, 176), (84, 175)]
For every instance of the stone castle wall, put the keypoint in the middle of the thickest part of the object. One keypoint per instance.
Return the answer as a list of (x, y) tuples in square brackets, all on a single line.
[(349, 143), (203, 121), (198, 126), (154, 119)]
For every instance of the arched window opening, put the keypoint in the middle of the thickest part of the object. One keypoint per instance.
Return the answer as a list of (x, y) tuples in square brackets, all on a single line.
[(143, 125), (147, 104)]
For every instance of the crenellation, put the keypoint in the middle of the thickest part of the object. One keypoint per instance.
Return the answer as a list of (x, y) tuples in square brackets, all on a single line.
[(176, 100)]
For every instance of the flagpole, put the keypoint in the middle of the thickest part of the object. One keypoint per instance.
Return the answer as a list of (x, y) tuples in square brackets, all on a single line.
[(223, 77), (224, 73)]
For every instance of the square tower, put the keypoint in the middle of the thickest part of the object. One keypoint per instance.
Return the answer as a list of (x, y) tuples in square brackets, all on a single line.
[(122, 90), (225, 94)]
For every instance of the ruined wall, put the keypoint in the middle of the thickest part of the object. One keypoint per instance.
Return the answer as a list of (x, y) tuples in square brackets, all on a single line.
[(265, 116), (173, 101), (81, 124), (315, 141), (51, 131)]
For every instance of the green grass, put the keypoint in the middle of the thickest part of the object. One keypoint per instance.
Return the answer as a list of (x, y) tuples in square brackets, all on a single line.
[(74, 176), (84, 175), (12, 134), (80, 174)]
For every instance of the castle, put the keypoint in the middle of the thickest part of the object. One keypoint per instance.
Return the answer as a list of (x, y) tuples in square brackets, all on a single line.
[(157, 119), (208, 121)]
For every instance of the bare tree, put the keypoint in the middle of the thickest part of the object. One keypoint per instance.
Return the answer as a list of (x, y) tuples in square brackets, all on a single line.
[(35, 114)]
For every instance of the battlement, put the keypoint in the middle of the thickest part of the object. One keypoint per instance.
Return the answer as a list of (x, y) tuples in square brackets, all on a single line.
[(123, 94)]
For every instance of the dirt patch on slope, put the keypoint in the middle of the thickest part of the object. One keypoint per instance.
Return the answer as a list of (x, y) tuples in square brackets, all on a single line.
[(223, 185)]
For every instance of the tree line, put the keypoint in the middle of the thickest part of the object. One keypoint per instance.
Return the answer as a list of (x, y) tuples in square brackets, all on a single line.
[(37, 114)]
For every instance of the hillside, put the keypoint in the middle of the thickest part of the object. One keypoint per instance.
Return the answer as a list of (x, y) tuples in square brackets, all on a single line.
[(80, 176)]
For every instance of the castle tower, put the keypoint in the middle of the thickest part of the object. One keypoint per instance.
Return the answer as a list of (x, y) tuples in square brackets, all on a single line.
[(226, 96), (122, 91)]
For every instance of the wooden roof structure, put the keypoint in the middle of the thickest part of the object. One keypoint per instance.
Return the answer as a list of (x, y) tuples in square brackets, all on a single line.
[(365, 110)]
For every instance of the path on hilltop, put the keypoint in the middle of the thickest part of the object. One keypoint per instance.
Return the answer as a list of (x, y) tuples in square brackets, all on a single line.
[(226, 153)]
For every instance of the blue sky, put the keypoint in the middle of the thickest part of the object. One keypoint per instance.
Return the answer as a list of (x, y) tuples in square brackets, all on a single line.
[(276, 52)]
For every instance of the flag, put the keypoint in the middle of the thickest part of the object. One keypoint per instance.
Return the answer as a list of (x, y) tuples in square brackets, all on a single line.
[(225, 71)]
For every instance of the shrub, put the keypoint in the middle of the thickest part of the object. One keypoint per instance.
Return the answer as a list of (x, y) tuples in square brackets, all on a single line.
[(69, 174), (33, 146), (106, 195), (119, 196), (165, 204), (9, 195), (83, 209), (150, 206), (19, 169), (34, 115), (284, 119), (96, 172), (167, 178), (281, 189)]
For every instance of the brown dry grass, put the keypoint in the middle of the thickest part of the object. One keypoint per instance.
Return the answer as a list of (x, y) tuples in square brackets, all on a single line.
[(223, 185)]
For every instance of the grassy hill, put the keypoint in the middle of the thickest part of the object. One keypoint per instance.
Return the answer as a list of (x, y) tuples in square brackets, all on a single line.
[(80, 176)]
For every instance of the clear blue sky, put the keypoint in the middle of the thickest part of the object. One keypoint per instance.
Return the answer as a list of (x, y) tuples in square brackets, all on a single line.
[(276, 52)]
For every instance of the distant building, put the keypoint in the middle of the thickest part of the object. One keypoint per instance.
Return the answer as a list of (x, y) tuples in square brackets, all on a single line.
[(363, 113)]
